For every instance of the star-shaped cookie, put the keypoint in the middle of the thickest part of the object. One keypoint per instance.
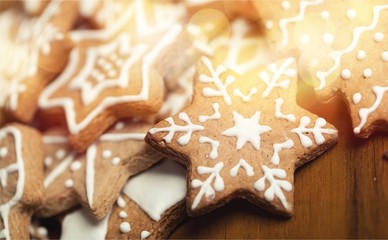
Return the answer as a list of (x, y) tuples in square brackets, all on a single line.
[(343, 52), (243, 143), (137, 214), (30, 48), (114, 73), (95, 178), (21, 179)]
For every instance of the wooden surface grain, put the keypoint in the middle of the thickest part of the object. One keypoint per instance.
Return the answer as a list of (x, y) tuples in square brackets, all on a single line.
[(342, 194)]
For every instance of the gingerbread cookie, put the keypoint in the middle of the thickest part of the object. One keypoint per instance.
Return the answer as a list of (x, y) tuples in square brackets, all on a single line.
[(343, 52), (95, 178), (28, 46), (113, 73), (21, 179), (137, 215), (243, 137), (232, 9)]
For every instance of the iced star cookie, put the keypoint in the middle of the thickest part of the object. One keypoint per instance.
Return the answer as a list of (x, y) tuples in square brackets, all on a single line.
[(243, 137), (95, 178), (28, 46), (137, 214), (113, 73), (343, 50), (21, 179)]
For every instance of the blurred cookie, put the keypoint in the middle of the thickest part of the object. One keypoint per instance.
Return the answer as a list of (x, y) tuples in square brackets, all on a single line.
[(21, 179)]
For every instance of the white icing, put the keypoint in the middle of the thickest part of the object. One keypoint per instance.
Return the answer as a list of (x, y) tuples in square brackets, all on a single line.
[(165, 182), (75, 166), (277, 147), (277, 73), (328, 38), (276, 186), (3, 152), (59, 169), (42, 231), (119, 125), (378, 37), (18, 167), (286, 5), (247, 130), (269, 24), (79, 225), (304, 39), (205, 187), (384, 56), (69, 183), (91, 154), (60, 153), (245, 98), (173, 128), (346, 74), (216, 114), (278, 113), (303, 4), (48, 139), (48, 161), (121, 202), (361, 55), (351, 14), (242, 164), (122, 136), (365, 112), (123, 214), (125, 227), (356, 98), (106, 153), (214, 145), (325, 15), (336, 55), (88, 7), (32, 6), (116, 161), (215, 79), (368, 73), (317, 131), (144, 235)]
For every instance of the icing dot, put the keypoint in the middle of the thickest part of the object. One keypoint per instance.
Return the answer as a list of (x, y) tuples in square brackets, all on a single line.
[(346, 74), (123, 214), (286, 5), (106, 154), (351, 14), (304, 39), (378, 37), (76, 165), (269, 24), (368, 73), (42, 231), (325, 15), (3, 152), (356, 98), (121, 202), (144, 235), (125, 227), (361, 55), (60, 154), (69, 183), (384, 56), (116, 161), (119, 125), (48, 161), (328, 38)]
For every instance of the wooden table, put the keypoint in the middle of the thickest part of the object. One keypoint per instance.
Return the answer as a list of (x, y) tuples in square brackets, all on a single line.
[(342, 194)]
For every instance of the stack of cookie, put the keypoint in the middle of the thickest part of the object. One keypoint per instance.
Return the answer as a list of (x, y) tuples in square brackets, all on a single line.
[(119, 118)]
